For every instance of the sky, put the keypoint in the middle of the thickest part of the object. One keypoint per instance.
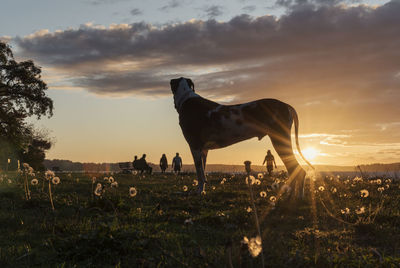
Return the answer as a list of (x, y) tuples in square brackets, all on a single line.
[(108, 64)]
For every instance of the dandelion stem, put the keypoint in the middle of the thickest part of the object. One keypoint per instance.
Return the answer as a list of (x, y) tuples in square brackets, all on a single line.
[(256, 218), (26, 188), (50, 196)]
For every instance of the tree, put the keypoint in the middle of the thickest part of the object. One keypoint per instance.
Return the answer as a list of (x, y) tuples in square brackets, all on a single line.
[(22, 95)]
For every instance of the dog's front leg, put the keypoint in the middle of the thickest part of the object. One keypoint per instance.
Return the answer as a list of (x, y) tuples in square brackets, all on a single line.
[(199, 160)]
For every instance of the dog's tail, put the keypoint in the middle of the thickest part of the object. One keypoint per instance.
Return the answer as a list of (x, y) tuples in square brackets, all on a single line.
[(293, 113)]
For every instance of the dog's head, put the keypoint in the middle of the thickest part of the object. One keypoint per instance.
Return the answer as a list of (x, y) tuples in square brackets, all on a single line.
[(181, 85)]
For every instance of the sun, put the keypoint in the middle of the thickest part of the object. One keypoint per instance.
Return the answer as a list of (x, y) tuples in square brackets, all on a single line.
[(310, 153)]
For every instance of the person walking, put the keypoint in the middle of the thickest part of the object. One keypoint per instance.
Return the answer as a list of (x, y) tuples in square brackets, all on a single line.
[(135, 163), (270, 160), (163, 163), (177, 163), (143, 166)]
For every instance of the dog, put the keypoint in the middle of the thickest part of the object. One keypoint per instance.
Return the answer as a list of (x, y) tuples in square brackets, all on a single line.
[(209, 125)]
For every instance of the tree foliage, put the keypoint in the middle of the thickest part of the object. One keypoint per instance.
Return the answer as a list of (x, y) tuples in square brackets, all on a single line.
[(22, 95)]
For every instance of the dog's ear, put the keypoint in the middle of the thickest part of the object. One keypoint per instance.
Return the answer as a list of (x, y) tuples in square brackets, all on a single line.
[(190, 83)]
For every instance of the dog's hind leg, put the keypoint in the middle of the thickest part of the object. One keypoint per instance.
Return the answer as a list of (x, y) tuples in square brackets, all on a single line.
[(199, 157), (204, 154), (283, 146)]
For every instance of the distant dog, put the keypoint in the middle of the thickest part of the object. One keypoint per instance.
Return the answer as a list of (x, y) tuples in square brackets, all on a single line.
[(208, 125)]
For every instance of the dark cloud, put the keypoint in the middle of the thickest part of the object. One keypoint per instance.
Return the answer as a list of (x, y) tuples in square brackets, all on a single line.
[(171, 5), (213, 11), (307, 4), (136, 12)]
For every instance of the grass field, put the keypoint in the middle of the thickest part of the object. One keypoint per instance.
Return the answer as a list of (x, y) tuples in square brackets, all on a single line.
[(345, 222)]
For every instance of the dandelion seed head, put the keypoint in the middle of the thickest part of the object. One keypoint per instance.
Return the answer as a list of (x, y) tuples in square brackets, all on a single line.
[(203, 192), (250, 180), (49, 174), (387, 186), (185, 188), (98, 191), (378, 181), (263, 194), (132, 192), (34, 181), (195, 182), (114, 184), (381, 189), (188, 221), (272, 199), (254, 245), (321, 188), (360, 210), (258, 182), (364, 193), (345, 211), (260, 176), (249, 209), (55, 180), (333, 190), (111, 180)]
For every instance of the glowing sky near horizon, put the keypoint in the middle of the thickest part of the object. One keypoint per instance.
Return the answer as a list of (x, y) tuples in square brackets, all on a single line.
[(108, 65)]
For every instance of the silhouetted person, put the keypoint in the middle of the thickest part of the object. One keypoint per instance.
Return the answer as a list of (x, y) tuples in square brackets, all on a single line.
[(163, 163), (177, 163), (143, 166), (134, 163), (270, 160)]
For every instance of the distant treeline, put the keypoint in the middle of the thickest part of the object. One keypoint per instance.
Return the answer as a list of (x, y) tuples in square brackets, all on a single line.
[(67, 165)]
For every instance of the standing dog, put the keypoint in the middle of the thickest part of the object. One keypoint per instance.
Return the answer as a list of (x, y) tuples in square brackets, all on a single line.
[(208, 125)]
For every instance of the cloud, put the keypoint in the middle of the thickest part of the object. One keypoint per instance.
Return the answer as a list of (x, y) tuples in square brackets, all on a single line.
[(249, 8), (5, 38), (307, 4), (102, 2), (136, 12), (171, 5), (334, 60), (213, 11)]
